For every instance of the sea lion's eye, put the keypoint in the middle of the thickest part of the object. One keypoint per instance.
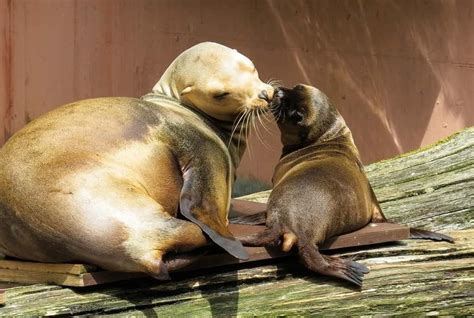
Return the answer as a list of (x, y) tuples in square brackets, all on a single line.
[(297, 116), (221, 95), (300, 116)]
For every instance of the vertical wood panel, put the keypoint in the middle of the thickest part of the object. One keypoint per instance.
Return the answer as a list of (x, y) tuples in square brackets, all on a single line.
[(401, 72), (5, 69)]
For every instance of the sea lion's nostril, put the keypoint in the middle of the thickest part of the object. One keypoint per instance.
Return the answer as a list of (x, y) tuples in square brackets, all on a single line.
[(264, 95)]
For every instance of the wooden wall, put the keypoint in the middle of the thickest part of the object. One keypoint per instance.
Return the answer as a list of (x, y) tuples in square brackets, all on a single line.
[(401, 72)]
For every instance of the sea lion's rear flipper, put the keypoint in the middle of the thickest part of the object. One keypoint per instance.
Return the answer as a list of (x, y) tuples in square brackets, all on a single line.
[(331, 265), (203, 208), (158, 266), (174, 262), (266, 237), (428, 235)]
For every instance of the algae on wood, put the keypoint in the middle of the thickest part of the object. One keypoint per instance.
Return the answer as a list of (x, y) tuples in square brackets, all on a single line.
[(431, 188)]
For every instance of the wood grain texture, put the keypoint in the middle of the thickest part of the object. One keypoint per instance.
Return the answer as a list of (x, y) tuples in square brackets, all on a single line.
[(413, 277)]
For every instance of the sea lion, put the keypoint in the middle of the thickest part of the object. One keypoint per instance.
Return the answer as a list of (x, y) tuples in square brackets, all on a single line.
[(102, 180), (320, 188)]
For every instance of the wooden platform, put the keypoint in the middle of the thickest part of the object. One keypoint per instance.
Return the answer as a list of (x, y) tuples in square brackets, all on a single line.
[(81, 275)]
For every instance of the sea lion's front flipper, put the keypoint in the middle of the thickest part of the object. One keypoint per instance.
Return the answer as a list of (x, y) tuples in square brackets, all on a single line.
[(202, 203)]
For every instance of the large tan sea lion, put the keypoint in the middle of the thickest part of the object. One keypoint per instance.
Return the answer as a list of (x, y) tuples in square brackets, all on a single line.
[(102, 180), (319, 187)]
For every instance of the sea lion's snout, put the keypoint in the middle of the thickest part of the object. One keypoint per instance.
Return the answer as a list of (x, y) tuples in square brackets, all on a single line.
[(277, 101), (279, 95), (286, 102), (264, 95)]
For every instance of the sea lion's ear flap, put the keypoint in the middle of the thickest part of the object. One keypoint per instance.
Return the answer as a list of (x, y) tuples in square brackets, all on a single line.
[(186, 90)]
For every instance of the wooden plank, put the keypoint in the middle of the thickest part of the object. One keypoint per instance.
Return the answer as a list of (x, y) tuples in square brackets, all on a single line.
[(80, 275), (47, 267), (373, 233), (245, 207), (103, 277), (71, 280), (32, 277)]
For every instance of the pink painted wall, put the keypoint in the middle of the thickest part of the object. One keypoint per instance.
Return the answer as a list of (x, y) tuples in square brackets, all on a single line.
[(401, 72)]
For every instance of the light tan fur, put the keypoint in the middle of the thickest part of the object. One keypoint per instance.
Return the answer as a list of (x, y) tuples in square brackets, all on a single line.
[(100, 180)]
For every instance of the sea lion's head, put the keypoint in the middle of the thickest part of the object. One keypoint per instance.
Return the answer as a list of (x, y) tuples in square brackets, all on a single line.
[(305, 116), (216, 80)]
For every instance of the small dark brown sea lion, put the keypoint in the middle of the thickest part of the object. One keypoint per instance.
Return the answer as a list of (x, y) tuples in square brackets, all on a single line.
[(102, 180), (320, 189)]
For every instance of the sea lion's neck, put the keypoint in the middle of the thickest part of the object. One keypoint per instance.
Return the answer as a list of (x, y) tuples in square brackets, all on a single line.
[(329, 129), (234, 138), (337, 135), (333, 143)]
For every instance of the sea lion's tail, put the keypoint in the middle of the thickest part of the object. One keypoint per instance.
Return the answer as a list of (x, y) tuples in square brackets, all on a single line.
[(269, 236), (428, 235)]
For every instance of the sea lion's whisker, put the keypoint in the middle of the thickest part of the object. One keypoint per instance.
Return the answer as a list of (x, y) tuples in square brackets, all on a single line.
[(238, 119), (274, 82), (268, 119), (254, 112), (242, 128), (261, 139), (259, 115), (255, 126), (247, 132), (245, 124)]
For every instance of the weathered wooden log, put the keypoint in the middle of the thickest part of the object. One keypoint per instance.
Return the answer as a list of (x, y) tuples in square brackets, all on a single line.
[(431, 188)]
